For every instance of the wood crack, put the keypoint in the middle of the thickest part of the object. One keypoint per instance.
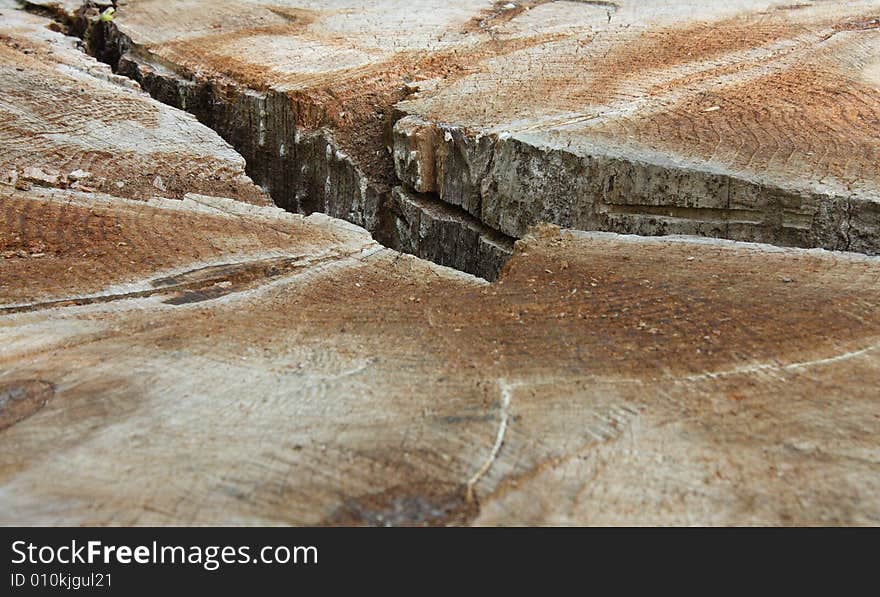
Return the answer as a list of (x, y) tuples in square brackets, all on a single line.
[(505, 390)]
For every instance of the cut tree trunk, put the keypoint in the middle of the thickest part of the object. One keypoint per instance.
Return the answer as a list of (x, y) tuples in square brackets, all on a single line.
[(194, 355)]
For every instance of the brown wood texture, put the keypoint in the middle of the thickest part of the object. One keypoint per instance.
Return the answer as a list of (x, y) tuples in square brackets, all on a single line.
[(188, 353)]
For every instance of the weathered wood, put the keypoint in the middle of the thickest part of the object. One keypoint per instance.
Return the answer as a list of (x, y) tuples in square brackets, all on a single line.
[(67, 120), (750, 120), (745, 120), (640, 381), (195, 359)]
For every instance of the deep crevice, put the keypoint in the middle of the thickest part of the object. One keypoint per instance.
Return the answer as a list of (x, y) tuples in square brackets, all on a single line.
[(302, 168), (293, 147)]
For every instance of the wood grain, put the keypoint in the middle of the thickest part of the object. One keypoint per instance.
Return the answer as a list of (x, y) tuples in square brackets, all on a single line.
[(200, 356)]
